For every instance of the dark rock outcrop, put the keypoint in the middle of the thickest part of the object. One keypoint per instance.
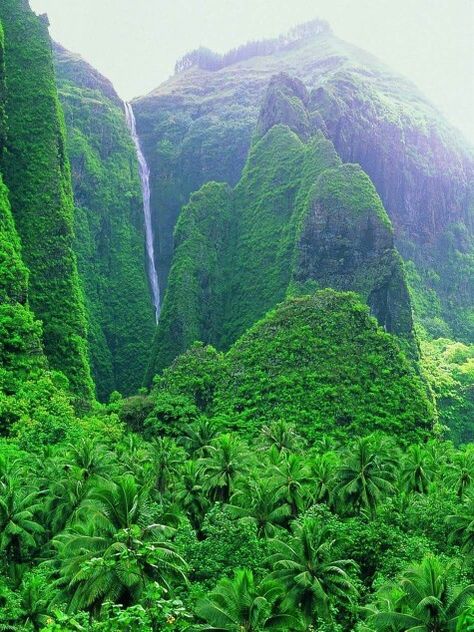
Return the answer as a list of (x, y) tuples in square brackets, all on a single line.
[(347, 243)]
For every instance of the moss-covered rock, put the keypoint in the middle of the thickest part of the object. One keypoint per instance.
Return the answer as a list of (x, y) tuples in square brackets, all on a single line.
[(198, 292), (36, 171), (346, 242), (285, 102), (108, 224), (22, 361)]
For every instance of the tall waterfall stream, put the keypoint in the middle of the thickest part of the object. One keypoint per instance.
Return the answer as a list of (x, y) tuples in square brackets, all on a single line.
[(149, 237)]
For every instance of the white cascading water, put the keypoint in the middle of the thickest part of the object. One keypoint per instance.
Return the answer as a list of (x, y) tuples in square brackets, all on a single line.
[(145, 179)]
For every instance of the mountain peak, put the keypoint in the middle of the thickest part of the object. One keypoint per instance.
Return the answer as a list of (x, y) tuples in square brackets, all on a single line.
[(207, 59), (72, 67)]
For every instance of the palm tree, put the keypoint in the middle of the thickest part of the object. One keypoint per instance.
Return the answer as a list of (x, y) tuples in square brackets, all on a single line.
[(291, 476), (422, 601), (323, 477), (416, 470), (282, 435), (190, 495), (19, 527), (466, 620), (226, 463), (91, 458), (462, 524), (134, 457), (308, 568), (264, 504), (167, 458), (198, 436), (460, 473), (240, 605), (66, 495), (37, 595), (114, 547), (366, 476)]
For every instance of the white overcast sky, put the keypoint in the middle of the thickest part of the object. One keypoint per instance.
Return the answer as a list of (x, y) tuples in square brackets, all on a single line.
[(135, 43)]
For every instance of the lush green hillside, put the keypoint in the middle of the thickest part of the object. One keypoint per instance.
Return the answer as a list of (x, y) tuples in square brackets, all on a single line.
[(21, 353), (302, 467), (36, 171), (297, 218), (109, 239), (198, 126), (319, 362), (202, 504)]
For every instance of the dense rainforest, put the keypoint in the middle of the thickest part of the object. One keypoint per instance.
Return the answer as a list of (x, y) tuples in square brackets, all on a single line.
[(291, 446)]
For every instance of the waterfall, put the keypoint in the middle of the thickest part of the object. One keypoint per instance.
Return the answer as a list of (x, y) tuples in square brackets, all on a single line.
[(145, 180)]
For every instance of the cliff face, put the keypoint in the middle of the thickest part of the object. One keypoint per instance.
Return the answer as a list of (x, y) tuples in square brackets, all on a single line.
[(36, 171), (347, 243), (23, 365), (108, 224), (198, 127), (298, 219)]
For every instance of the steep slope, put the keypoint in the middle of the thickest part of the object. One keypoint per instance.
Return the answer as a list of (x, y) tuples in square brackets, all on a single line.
[(297, 220), (36, 171), (20, 346), (108, 225), (198, 125), (320, 362), (30, 395)]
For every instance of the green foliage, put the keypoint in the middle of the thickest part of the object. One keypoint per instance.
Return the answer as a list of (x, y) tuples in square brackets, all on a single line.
[(425, 599), (238, 252), (97, 537), (366, 475), (186, 390), (34, 404), (226, 545), (239, 603), (449, 368), (270, 373), (37, 174), (309, 569), (110, 556), (108, 226)]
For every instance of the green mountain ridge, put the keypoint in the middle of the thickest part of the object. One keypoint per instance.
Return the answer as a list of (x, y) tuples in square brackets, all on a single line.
[(298, 218), (198, 127)]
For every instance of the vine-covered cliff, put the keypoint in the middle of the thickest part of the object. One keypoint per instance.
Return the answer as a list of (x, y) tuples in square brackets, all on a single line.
[(109, 229), (36, 170), (298, 219), (198, 126), (30, 394)]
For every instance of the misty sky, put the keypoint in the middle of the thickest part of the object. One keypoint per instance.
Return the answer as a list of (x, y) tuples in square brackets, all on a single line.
[(135, 43)]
